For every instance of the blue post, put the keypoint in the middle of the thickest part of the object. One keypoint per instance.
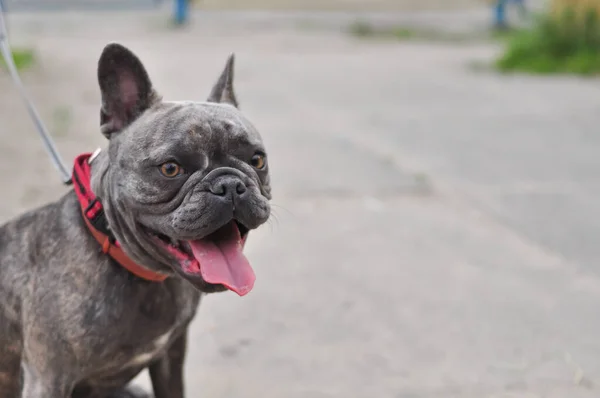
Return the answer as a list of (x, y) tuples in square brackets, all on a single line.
[(500, 14), (181, 11)]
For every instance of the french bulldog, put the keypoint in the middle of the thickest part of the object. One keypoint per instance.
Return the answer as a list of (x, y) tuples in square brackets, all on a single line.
[(180, 185)]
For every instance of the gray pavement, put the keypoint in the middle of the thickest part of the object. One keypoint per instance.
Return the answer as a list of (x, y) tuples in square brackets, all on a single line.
[(435, 228)]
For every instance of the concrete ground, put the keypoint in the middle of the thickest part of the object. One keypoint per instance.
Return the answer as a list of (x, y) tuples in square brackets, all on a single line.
[(322, 5), (354, 5), (435, 231)]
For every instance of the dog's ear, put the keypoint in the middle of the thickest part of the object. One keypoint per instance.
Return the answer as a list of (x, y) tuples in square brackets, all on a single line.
[(125, 86), (223, 89)]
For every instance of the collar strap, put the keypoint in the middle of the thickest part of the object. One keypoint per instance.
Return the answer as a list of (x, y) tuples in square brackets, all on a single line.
[(93, 215)]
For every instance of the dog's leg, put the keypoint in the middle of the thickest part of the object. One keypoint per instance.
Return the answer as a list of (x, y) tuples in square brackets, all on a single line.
[(44, 356), (11, 349), (131, 392), (48, 384), (10, 369), (167, 373)]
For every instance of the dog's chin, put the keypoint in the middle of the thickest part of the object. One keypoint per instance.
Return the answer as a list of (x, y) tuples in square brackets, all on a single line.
[(213, 263)]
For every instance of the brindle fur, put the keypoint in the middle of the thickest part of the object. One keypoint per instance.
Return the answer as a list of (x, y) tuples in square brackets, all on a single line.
[(75, 324)]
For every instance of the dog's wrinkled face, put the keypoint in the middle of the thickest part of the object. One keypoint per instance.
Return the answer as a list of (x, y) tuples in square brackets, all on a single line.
[(182, 183)]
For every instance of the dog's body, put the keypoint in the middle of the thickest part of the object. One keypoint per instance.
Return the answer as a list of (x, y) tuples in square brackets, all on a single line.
[(78, 311), (73, 321)]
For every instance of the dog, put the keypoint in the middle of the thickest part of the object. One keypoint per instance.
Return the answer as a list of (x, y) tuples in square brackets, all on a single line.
[(104, 282)]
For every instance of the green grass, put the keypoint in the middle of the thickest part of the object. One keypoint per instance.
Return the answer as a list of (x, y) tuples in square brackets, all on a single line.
[(24, 58), (364, 30), (565, 44)]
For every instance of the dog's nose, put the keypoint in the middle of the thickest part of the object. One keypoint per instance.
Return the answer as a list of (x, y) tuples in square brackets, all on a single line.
[(228, 186)]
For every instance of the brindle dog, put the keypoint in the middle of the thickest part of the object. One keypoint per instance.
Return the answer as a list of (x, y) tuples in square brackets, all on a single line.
[(181, 184)]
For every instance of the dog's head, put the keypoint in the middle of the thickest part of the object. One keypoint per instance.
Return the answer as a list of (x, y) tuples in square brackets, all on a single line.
[(182, 183)]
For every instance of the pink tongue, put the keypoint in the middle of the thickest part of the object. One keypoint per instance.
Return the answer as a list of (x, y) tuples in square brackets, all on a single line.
[(222, 261)]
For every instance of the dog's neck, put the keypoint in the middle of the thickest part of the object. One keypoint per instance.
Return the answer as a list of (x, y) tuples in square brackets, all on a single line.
[(96, 213)]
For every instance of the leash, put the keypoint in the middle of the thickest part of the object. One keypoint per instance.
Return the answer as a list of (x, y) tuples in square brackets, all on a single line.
[(6, 52)]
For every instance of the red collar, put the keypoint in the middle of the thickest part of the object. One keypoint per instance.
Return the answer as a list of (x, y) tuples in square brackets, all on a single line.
[(94, 217)]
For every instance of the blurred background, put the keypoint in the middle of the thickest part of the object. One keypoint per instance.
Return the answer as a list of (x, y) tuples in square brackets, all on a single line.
[(436, 174)]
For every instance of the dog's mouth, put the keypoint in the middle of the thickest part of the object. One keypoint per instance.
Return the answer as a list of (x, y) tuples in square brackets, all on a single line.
[(216, 259)]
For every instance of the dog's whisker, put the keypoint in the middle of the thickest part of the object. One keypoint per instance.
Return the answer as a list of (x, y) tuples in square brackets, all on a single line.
[(275, 205), (271, 224), (275, 218)]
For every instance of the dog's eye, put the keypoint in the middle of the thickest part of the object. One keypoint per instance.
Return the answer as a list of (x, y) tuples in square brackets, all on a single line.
[(258, 161), (171, 169)]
